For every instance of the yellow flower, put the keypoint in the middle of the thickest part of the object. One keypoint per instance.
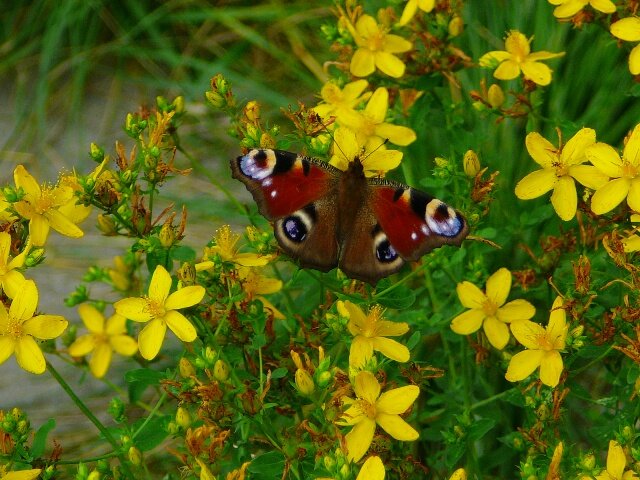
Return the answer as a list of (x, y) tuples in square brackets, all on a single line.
[(543, 347), (21, 474), (624, 173), (47, 207), (370, 408), (376, 49), (616, 461), (255, 285), (370, 127), (628, 29), (632, 242), (518, 59), (568, 8), (103, 339), (225, 246), (370, 332), (459, 474), (121, 274), (339, 101), (160, 310), (489, 310), (19, 328), (412, 7), (376, 159), (559, 169), (372, 469), (10, 278)]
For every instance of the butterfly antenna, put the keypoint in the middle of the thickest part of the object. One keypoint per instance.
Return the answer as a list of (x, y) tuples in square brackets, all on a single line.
[(383, 143), (326, 127)]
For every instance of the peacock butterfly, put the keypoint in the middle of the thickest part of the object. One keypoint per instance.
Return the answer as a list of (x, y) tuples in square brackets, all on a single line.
[(327, 218)]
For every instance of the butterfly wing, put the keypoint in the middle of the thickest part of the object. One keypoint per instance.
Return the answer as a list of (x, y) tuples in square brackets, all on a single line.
[(415, 222), (299, 195)]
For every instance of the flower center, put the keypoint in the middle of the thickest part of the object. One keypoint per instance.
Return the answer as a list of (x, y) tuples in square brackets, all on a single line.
[(156, 309), (545, 342), (14, 328), (629, 170), (489, 307), (375, 42), (46, 201), (561, 169), (368, 409)]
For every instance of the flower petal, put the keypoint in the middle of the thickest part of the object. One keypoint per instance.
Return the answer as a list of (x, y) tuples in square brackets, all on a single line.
[(616, 460), (470, 296), (116, 324), (82, 346), (29, 356), (25, 301), (499, 286), (378, 104), (398, 400), (7, 346), (391, 349), (396, 134), (590, 177), (573, 151), (396, 44), (627, 29), (181, 326), (633, 199), (468, 322), (537, 72), (386, 328), (62, 224), (186, 297), (134, 308), (389, 64), (564, 198), (516, 310), (367, 387), (361, 351), (45, 327), (362, 64), (507, 70), (124, 345), (523, 364), (372, 469), (632, 148), (151, 338), (528, 333), (557, 327), (25, 180), (396, 427), (551, 368), (543, 152), (536, 183), (12, 283), (610, 195), (605, 6), (91, 317), (634, 60), (160, 285), (497, 332), (359, 439), (605, 158), (100, 360)]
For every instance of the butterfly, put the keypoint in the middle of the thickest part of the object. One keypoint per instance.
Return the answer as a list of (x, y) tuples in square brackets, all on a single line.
[(326, 218)]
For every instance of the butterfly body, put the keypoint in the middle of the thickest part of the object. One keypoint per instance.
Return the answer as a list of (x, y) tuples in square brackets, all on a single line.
[(327, 218)]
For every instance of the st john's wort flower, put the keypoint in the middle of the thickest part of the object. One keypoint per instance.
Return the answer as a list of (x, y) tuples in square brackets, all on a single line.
[(628, 29), (568, 8)]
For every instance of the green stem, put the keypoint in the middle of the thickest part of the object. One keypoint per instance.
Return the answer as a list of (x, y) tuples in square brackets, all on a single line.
[(495, 397), (84, 409), (151, 414), (594, 361)]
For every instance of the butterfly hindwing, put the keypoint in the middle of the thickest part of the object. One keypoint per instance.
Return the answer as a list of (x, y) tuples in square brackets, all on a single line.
[(298, 193), (414, 221)]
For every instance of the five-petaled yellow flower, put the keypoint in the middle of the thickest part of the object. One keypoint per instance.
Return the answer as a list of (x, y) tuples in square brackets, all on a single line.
[(104, 337), (543, 347), (48, 207), (376, 49), (628, 29), (624, 173), (568, 8), (338, 101), (559, 169), (616, 463), (488, 310), (255, 285), (370, 333), (10, 277), (517, 58), (412, 7), (19, 328), (226, 247), (370, 127), (160, 310), (370, 408), (375, 159)]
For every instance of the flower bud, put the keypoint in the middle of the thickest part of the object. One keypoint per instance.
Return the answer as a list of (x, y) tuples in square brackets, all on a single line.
[(186, 368), (183, 417), (304, 382), (441, 162), (135, 456), (94, 475), (167, 235), (495, 96), (456, 27), (471, 163), (96, 152), (252, 111), (588, 462), (221, 370), (106, 225)]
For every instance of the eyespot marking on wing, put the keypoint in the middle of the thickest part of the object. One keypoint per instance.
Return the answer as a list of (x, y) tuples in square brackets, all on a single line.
[(442, 219)]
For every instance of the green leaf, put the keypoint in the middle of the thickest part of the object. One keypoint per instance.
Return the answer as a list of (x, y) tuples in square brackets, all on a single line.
[(140, 379), (153, 433), (40, 438), (279, 373), (183, 253), (479, 428), (267, 466), (400, 298)]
